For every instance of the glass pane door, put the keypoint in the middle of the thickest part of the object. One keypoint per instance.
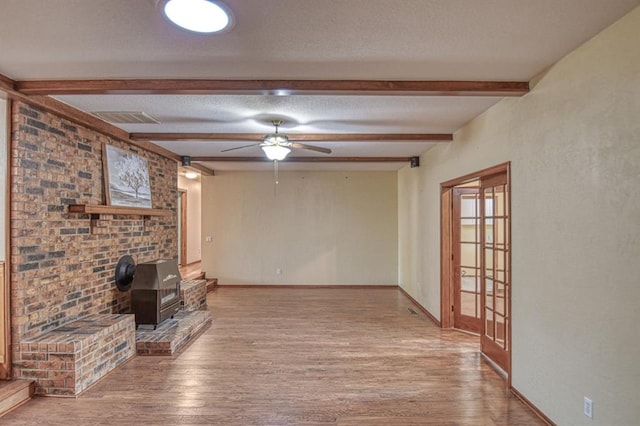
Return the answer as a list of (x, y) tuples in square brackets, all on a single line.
[(495, 272), (467, 243)]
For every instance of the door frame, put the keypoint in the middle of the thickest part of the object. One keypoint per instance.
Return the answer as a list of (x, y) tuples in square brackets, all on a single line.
[(5, 277), (447, 249), (183, 227)]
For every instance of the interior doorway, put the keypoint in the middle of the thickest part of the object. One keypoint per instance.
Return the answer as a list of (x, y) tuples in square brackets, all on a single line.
[(476, 260)]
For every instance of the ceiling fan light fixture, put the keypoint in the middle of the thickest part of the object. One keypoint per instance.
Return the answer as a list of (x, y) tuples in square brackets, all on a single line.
[(276, 139), (200, 16), (276, 152)]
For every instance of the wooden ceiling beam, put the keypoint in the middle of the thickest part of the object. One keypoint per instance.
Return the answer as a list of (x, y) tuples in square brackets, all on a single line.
[(293, 137), (6, 83), (204, 170), (307, 159), (79, 117), (274, 87)]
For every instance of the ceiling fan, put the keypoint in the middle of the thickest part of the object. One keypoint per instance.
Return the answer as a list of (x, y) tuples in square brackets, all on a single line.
[(277, 146)]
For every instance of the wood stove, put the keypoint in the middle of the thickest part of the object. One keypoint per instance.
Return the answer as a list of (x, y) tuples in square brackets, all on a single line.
[(155, 291)]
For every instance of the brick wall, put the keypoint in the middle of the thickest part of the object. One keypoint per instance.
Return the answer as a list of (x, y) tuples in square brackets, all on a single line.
[(61, 270), (193, 294)]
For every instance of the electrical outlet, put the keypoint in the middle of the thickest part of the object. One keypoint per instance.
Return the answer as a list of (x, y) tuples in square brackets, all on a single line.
[(208, 238), (278, 271), (588, 407)]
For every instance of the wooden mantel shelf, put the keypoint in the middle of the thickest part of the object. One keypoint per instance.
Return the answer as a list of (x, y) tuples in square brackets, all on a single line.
[(123, 210)]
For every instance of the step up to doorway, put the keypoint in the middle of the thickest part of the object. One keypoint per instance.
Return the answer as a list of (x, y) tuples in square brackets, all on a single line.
[(212, 283), (14, 393)]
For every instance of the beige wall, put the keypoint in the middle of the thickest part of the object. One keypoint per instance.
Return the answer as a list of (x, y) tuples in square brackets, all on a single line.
[(194, 217), (3, 173), (574, 143), (324, 228)]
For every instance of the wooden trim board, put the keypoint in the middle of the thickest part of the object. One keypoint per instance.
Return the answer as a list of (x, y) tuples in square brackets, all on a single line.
[(14, 394), (446, 261), (310, 159), (310, 286), (5, 283), (81, 118), (292, 87), (297, 137), (499, 168), (532, 407), (419, 306), (4, 319), (100, 209), (183, 227)]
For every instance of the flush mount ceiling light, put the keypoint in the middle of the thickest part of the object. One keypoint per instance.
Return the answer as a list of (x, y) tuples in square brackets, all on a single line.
[(201, 16)]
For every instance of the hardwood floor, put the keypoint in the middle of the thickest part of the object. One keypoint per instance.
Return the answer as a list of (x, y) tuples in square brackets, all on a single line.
[(300, 357)]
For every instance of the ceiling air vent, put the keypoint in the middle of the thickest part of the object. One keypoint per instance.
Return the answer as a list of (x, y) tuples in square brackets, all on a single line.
[(126, 117)]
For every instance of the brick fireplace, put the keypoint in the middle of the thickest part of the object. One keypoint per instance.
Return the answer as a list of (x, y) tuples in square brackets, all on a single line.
[(62, 267)]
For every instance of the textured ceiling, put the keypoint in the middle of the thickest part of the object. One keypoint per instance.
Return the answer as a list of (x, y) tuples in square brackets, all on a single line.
[(493, 40)]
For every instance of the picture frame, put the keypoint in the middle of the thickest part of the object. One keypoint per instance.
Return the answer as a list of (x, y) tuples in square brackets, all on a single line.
[(126, 178)]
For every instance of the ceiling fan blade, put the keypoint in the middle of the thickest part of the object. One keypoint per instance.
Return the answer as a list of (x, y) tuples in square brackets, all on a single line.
[(240, 147), (311, 147)]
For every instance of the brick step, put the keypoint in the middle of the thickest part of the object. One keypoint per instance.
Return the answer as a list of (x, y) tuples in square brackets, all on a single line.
[(14, 393), (67, 360), (172, 335), (193, 294)]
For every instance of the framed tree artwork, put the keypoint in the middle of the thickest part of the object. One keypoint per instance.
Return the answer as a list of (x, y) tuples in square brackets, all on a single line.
[(126, 178)]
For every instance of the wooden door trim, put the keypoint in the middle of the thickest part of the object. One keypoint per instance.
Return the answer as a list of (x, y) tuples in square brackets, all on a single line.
[(4, 356), (183, 227), (5, 285), (446, 243), (510, 342), (446, 249), (455, 257), (499, 168), (446, 262)]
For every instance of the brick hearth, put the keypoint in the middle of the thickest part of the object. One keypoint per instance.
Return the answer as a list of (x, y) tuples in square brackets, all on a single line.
[(172, 335), (66, 361), (193, 294)]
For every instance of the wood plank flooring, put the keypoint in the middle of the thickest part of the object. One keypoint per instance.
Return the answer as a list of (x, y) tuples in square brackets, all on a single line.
[(14, 393), (191, 272), (300, 357)]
